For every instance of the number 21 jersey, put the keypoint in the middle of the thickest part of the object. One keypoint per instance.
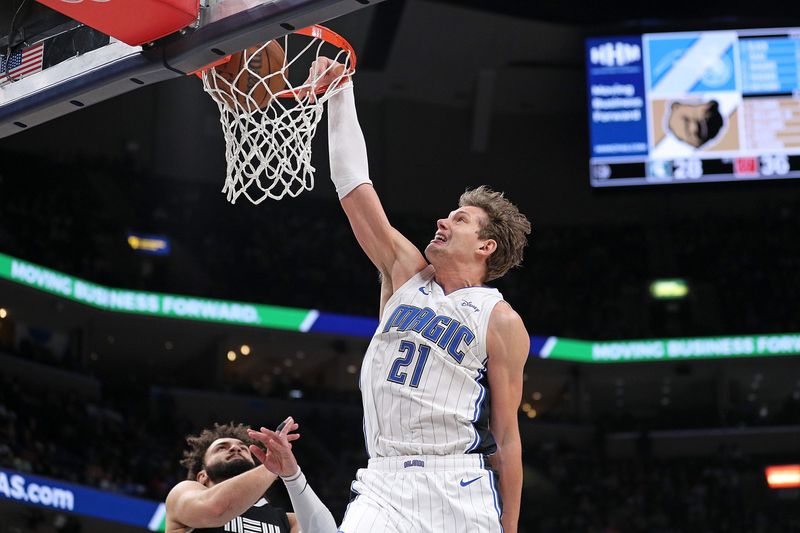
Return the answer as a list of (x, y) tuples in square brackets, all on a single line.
[(423, 380)]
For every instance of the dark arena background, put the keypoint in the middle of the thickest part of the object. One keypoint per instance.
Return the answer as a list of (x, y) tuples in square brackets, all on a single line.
[(137, 305)]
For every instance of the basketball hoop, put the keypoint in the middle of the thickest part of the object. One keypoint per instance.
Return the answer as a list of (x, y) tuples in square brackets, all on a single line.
[(269, 115)]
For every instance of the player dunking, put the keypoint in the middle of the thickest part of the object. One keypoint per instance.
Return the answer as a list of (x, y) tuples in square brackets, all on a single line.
[(444, 342)]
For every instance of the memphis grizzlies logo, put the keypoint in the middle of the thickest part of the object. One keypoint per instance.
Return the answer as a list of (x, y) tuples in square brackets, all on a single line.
[(446, 332)]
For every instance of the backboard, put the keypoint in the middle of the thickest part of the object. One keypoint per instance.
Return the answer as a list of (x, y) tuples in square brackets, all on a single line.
[(68, 66)]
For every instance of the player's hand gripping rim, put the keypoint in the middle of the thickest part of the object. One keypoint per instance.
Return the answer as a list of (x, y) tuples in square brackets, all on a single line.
[(323, 72)]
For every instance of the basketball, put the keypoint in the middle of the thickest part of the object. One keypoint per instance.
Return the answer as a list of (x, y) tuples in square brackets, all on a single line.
[(250, 72)]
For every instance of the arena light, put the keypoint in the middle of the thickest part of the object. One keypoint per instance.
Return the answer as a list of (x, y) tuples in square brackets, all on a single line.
[(669, 289), (3, 312), (149, 244), (783, 476)]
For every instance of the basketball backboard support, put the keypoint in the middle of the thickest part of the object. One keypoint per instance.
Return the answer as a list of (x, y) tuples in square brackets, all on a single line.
[(108, 68)]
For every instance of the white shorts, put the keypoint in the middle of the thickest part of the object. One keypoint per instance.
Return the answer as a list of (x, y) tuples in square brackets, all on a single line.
[(424, 494)]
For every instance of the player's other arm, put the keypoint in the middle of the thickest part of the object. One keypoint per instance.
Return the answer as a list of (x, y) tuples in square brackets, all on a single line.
[(393, 254), (310, 514), (508, 345), (193, 505)]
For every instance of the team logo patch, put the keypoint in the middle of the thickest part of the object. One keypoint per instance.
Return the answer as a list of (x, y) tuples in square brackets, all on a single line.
[(414, 462)]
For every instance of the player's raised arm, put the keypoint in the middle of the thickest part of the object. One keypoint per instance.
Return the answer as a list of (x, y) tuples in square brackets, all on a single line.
[(508, 345), (191, 504), (393, 254), (215, 492), (310, 514)]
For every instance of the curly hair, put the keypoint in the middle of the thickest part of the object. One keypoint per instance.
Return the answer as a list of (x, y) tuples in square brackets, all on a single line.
[(505, 224), (194, 458)]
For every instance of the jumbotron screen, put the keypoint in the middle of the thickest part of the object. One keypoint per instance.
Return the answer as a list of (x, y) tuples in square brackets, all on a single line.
[(694, 107)]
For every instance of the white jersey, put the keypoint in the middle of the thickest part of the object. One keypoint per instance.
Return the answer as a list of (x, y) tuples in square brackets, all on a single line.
[(423, 381)]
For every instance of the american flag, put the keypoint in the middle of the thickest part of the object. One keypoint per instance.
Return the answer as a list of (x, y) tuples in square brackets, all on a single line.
[(22, 63)]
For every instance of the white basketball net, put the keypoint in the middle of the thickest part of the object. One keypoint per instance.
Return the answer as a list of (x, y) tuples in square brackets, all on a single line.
[(268, 150)]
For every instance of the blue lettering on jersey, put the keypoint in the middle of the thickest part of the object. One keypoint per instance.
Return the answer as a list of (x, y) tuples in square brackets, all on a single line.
[(436, 327), (463, 334), (414, 462), (421, 319), (401, 317), (442, 330)]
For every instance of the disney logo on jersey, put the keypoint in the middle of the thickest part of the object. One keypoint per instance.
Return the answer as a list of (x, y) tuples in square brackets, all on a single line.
[(465, 303), (446, 332)]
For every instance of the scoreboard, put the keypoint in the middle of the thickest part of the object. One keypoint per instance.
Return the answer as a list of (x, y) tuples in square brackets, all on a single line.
[(694, 107)]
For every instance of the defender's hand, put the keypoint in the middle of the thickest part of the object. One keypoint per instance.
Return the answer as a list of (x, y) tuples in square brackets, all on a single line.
[(278, 458)]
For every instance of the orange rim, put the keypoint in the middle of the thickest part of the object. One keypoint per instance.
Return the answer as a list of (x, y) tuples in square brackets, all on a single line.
[(331, 37), (218, 62), (317, 32)]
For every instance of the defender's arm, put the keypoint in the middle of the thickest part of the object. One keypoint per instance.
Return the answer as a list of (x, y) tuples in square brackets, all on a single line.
[(310, 514), (193, 505)]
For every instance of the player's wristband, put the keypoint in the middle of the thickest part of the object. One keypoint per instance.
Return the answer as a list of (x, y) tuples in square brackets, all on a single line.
[(347, 149), (295, 479)]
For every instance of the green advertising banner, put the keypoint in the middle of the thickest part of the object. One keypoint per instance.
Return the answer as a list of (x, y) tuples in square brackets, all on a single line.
[(152, 303), (293, 319), (671, 349)]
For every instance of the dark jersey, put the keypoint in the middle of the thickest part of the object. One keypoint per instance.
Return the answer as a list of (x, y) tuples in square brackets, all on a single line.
[(260, 518)]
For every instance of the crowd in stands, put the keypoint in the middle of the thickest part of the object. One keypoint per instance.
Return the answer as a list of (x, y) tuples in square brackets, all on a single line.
[(569, 490), (577, 281), (107, 443)]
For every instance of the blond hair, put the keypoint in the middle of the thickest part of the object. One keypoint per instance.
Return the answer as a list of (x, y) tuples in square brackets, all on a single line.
[(504, 224)]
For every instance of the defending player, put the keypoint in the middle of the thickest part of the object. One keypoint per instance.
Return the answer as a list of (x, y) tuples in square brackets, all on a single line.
[(444, 342), (224, 490)]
